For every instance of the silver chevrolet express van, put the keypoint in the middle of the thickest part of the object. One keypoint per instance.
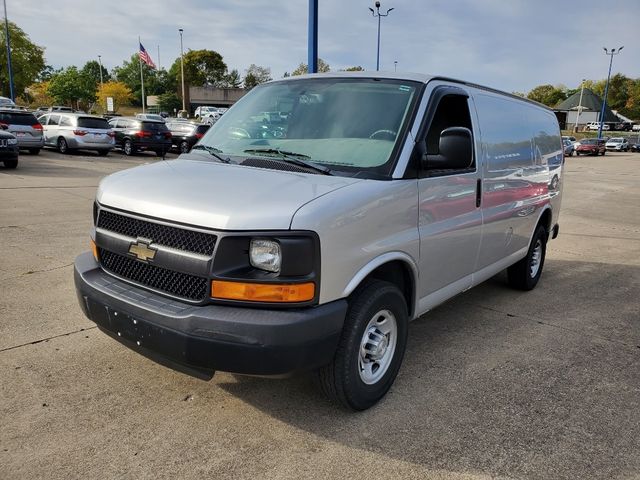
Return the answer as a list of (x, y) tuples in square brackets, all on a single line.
[(318, 217)]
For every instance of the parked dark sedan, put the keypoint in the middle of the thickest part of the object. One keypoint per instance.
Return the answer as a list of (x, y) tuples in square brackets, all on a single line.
[(186, 134), (8, 148), (591, 146), (136, 135), (635, 147)]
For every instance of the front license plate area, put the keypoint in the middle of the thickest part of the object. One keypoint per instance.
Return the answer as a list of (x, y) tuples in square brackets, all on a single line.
[(129, 328)]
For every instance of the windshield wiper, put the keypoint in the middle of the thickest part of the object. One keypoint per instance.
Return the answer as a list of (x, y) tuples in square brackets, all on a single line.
[(291, 157), (213, 151)]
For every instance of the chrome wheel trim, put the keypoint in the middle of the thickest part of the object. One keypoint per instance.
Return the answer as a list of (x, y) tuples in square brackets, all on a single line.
[(62, 145), (127, 148), (377, 347), (536, 259), (184, 147)]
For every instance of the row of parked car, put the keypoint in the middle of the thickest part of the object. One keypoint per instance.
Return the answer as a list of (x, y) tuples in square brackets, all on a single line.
[(595, 146), (68, 131)]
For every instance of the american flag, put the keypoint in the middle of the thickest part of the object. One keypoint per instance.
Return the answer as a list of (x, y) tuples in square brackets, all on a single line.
[(145, 57)]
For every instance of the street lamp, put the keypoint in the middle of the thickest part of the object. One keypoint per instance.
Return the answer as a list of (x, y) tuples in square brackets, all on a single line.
[(6, 30), (182, 68), (575, 127), (606, 88), (395, 65), (100, 63), (377, 13)]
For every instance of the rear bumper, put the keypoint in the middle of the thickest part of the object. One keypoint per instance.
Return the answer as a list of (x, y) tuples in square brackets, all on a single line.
[(30, 142), (74, 142), (201, 339)]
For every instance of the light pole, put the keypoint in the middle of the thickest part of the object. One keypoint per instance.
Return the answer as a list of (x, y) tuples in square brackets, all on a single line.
[(395, 65), (100, 63), (6, 30), (575, 127), (377, 13), (184, 107), (606, 88)]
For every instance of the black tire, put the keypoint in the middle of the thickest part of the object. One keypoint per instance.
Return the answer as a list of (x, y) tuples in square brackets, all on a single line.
[(103, 153), (63, 147), (10, 164), (342, 380), (34, 151), (128, 148), (603, 153), (523, 275), (160, 153), (571, 153), (577, 153), (184, 147)]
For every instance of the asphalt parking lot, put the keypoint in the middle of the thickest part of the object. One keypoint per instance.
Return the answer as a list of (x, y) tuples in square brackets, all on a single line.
[(495, 383)]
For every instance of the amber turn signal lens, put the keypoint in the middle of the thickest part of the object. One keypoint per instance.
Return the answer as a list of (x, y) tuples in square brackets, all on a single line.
[(261, 292), (94, 249)]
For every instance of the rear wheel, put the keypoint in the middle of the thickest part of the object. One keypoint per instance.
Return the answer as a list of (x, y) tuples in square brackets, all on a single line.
[(34, 151), (184, 147), (103, 153), (371, 348), (11, 163), (127, 148), (62, 145), (525, 274)]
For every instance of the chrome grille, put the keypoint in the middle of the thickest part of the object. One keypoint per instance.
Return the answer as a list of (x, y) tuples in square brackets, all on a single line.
[(174, 237), (178, 284)]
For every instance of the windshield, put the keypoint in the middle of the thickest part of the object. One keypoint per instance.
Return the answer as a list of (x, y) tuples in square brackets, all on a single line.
[(615, 140), (349, 125)]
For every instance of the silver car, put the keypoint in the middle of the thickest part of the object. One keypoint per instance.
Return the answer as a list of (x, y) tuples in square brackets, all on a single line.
[(25, 127), (77, 131)]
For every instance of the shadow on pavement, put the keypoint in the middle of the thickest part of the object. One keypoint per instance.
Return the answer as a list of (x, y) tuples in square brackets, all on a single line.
[(544, 384)]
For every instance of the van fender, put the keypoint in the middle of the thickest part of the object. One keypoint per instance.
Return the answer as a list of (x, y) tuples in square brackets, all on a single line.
[(379, 261), (540, 214)]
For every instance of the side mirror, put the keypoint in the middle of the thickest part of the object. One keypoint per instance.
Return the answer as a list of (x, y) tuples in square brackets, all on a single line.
[(456, 150)]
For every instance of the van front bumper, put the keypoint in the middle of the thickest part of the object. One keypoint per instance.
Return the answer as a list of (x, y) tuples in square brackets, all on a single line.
[(199, 340)]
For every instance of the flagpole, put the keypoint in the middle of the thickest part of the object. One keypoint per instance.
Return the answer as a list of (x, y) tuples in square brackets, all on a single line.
[(158, 57), (141, 75)]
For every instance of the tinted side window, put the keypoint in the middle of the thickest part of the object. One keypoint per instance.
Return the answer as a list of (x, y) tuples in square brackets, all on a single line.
[(65, 122), (506, 140), (202, 128), (154, 126), (90, 122), (54, 120)]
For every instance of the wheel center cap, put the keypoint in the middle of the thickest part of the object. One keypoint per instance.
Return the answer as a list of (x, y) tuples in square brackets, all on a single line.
[(380, 349)]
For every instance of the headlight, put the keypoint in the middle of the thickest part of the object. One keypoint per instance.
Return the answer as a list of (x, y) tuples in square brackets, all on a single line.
[(12, 141), (265, 255)]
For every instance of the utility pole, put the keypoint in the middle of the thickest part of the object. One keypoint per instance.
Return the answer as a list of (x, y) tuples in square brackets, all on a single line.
[(312, 49), (100, 63), (184, 105), (6, 30), (606, 88), (379, 15), (575, 127)]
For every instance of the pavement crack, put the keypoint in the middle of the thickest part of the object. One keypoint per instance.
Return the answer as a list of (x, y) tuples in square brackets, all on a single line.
[(35, 342), (553, 325), (31, 272)]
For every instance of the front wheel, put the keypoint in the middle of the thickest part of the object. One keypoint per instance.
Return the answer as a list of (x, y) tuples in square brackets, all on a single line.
[(374, 338), (525, 274), (11, 164)]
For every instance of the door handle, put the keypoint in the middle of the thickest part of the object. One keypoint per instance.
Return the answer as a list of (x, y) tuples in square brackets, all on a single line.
[(478, 193)]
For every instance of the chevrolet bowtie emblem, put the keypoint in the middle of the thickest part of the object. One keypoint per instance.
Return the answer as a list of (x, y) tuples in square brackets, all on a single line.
[(142, 251)]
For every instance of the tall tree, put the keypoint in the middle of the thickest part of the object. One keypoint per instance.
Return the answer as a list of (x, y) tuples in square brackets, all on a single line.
[(232, 79), (72, 87), (119, 91), (356, 68), (323, 67), (201, 67), (156, 82), (548, 94), (92, 69), (27, 60), (255, 75)]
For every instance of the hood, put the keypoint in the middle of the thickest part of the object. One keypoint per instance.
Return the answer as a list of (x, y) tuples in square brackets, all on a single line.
[(215, 195)]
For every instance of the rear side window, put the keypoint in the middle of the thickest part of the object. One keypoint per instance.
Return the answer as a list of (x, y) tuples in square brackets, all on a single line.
[(66, 122), (154, 126), (12, 118), (91, 122), (54, 120)]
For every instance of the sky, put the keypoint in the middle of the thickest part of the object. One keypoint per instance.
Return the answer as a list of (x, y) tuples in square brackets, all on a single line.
[(512, 45)]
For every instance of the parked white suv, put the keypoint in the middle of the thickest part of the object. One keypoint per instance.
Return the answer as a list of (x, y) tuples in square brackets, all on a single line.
[(318, 217), (205, 111)]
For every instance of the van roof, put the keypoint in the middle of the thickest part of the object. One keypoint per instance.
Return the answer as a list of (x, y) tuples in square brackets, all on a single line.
[(413, 77)]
